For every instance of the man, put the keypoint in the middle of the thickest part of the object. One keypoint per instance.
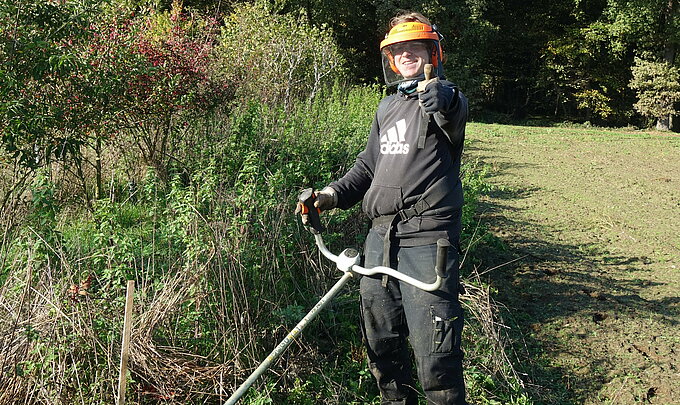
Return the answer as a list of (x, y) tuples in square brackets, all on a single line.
[(408, 178)]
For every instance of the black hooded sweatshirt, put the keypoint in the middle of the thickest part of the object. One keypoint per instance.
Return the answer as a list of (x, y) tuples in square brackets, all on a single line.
[(392, 172)]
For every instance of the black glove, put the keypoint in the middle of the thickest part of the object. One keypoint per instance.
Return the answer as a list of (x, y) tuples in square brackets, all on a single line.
[(326, 199), (438, 98)]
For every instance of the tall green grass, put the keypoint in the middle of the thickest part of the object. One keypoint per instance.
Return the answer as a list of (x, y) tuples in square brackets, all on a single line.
[(223, 268)]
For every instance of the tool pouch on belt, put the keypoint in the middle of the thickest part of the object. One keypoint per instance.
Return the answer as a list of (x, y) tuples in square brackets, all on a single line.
[(429, 199)]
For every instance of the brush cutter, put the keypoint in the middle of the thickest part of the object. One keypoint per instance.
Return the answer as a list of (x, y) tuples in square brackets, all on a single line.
[(348, 263)]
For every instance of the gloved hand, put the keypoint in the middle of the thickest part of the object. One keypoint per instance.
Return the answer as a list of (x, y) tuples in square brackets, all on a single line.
[(437, 98), (326, 199)]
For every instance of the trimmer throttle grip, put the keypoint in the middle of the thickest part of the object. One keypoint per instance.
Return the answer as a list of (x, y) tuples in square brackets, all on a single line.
[(306, 202), (442, 253)]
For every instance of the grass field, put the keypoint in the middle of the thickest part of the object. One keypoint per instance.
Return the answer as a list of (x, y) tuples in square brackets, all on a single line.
[(592, 215)]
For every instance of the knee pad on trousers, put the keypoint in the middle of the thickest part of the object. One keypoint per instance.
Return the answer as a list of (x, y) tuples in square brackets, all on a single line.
[(442, 379), (390, 364)]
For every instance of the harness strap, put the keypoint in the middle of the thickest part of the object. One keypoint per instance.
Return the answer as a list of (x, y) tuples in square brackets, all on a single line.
[(422, 131), (387, 240), (430, 198)]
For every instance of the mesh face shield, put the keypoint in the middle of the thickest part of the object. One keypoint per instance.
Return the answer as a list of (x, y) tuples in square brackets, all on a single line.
[(427, 49), (413, 36)]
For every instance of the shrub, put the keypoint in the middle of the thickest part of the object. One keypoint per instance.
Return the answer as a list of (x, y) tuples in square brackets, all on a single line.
[(39, 118), (658, 88), (277, 58), (213, 254), (74, 77)]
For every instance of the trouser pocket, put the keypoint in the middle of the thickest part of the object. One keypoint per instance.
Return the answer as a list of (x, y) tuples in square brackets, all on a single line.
[(447, 325)]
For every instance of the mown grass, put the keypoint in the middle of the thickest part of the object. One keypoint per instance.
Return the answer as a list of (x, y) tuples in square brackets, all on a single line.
[(590, 212)]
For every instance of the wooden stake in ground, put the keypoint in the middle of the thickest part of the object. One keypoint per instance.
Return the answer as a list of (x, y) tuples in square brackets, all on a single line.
[(125, 350)]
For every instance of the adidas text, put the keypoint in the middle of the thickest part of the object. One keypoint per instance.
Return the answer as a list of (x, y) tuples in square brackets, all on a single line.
[(392, 143)]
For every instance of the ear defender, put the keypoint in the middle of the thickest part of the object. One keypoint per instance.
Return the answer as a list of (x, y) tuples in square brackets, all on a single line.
[(390, 57)]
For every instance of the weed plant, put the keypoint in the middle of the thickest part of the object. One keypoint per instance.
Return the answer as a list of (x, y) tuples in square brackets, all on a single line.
[(222, 267)]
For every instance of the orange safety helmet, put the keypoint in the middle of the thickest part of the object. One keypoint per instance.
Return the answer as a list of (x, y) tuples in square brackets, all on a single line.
[(411, 31)]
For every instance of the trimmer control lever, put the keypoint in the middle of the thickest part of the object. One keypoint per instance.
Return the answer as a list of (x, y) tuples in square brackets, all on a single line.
[(306, 201)]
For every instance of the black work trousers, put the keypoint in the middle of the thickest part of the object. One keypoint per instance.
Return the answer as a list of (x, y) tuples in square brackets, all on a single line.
[(431, 321)]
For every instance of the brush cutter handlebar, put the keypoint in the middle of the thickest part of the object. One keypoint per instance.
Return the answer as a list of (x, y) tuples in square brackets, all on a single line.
[(348, 261)]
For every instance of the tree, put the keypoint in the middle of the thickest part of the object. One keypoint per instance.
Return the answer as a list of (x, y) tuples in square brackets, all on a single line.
[(650, 31), (38, 66), (175, 82), (54, 100), (658, 88), (75, 75), (277, 58)]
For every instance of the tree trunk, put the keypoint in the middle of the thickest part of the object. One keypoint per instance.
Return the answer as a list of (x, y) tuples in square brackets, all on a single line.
[(663, 124), (98, 167), (666, 123), (668, 26)]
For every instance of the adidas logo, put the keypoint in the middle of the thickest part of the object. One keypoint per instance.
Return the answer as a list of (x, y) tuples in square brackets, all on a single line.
[(392, 143)]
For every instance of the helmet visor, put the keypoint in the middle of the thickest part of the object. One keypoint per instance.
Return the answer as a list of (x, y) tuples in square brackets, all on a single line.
[(406, 60)]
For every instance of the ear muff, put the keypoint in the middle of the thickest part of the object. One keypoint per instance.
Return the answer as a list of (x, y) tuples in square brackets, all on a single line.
[(437, 55), (390, 58)]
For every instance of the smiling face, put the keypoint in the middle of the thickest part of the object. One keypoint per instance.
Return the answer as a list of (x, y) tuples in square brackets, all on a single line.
[(410, 57)]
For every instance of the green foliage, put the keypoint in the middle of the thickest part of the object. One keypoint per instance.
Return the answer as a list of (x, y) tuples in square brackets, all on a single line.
[(277, 58), (207, 231), (475, 184), (658, 88), (73, 76), (595, 102), (37, 67), (236, 204), (44, 206), (588, 68)]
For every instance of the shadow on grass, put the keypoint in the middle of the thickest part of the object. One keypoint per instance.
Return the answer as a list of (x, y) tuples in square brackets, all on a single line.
[(547, 121), (556, 280)]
